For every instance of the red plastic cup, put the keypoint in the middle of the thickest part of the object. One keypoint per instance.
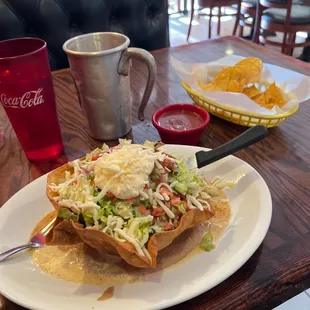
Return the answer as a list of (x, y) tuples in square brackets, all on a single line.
[(27, 95)]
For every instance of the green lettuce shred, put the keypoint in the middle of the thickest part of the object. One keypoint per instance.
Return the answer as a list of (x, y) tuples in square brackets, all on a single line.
[(66, 214), (207, 242), (88, 219), (185, 180)]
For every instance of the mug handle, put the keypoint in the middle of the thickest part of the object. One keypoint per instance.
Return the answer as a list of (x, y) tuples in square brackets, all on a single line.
[(148, 59)]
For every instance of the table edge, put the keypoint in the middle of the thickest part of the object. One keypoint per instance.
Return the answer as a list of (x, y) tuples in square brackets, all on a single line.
[(290, 59), (298, 63)]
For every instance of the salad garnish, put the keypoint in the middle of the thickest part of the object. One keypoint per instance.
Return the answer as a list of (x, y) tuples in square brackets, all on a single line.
[(131, 192)]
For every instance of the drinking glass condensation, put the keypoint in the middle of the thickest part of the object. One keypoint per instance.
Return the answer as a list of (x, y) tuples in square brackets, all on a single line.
[(27, 95)]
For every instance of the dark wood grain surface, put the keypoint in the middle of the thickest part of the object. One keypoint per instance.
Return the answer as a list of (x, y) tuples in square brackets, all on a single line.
[(280, 268)]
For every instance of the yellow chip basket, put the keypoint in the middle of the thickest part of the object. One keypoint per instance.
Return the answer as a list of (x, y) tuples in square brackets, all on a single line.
[(235, 115)]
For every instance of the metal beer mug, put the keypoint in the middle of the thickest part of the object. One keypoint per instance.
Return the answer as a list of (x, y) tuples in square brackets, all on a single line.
[(100, 65)]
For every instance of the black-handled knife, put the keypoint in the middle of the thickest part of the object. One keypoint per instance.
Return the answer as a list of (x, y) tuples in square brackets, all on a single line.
[(247, 138)]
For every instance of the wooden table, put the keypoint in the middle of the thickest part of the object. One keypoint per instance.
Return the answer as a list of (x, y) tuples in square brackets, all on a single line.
[(280, 268)]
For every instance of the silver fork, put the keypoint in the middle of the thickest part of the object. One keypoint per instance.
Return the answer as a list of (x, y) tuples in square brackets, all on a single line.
[(37, 241)]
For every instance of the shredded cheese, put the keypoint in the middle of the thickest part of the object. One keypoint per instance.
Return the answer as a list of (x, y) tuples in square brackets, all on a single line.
[(132, 240), (125, 171), (147, 254), (166, 209)]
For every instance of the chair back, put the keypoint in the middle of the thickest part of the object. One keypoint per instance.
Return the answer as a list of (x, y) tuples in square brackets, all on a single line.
[(278, 4), (145, 22)]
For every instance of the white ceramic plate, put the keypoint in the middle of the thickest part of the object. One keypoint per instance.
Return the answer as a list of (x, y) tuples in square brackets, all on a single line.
[(23, 283)]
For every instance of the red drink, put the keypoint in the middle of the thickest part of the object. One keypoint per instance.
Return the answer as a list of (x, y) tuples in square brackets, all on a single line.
[(27, 95)]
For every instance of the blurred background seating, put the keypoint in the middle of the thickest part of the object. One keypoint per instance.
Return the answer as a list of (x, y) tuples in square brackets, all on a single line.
[(203, 26), (145, 22), (283, 25)]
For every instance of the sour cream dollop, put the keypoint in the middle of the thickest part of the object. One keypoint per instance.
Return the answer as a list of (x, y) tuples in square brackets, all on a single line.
[(125, 170)]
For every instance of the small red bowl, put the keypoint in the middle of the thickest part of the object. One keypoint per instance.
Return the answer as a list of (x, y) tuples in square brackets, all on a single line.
[(188, 137)]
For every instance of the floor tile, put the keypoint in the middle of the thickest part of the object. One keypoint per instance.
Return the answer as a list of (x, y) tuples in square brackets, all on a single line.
[(179, 26)]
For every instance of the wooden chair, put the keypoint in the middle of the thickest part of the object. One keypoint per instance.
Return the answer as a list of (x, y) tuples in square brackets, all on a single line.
[(282, 16), (203, 4), (179, 5), (248, 10), (305, 55)]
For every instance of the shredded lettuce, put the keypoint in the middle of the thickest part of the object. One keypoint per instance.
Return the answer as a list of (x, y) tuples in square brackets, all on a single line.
[(124, 210), (181, 208), (180, 187), (149, 144), (106, 210), (139, 228), (207, 242), (174, 209), (129, 223), (88, 219), (222, 183), (91, 177), (103, 219), (89, 156), (103, 202), (185, 181), (156, 228), (144, 226), (95, 191), (66, 214)]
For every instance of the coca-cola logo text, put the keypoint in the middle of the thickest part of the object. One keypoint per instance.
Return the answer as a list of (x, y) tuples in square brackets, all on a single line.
[(27, 100)]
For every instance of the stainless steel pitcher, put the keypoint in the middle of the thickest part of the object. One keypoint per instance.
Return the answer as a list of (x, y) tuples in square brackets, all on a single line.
[(100, 65)]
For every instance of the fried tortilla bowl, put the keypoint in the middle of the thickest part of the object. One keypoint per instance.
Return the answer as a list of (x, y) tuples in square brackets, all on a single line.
[(69, 232)]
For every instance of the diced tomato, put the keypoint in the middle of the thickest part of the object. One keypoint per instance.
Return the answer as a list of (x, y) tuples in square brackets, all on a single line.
[(130, 200), (168, 226), (109, 195), (167, 162), (142, 209), (74, 182), (175, 200), (164, 190), (158, 211), (95, 157)]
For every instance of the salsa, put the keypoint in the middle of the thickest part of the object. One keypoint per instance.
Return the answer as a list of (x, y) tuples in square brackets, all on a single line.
[(180, 120)]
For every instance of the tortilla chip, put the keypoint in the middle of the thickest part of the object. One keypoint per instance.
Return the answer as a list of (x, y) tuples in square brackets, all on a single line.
[(235, 78), (104, 242), (210, 87), (274, 96), (251, 91), (271, 97), (242, 83), (236, 74), (260, 99), (220, 82), (233, 86), (252, 69)]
